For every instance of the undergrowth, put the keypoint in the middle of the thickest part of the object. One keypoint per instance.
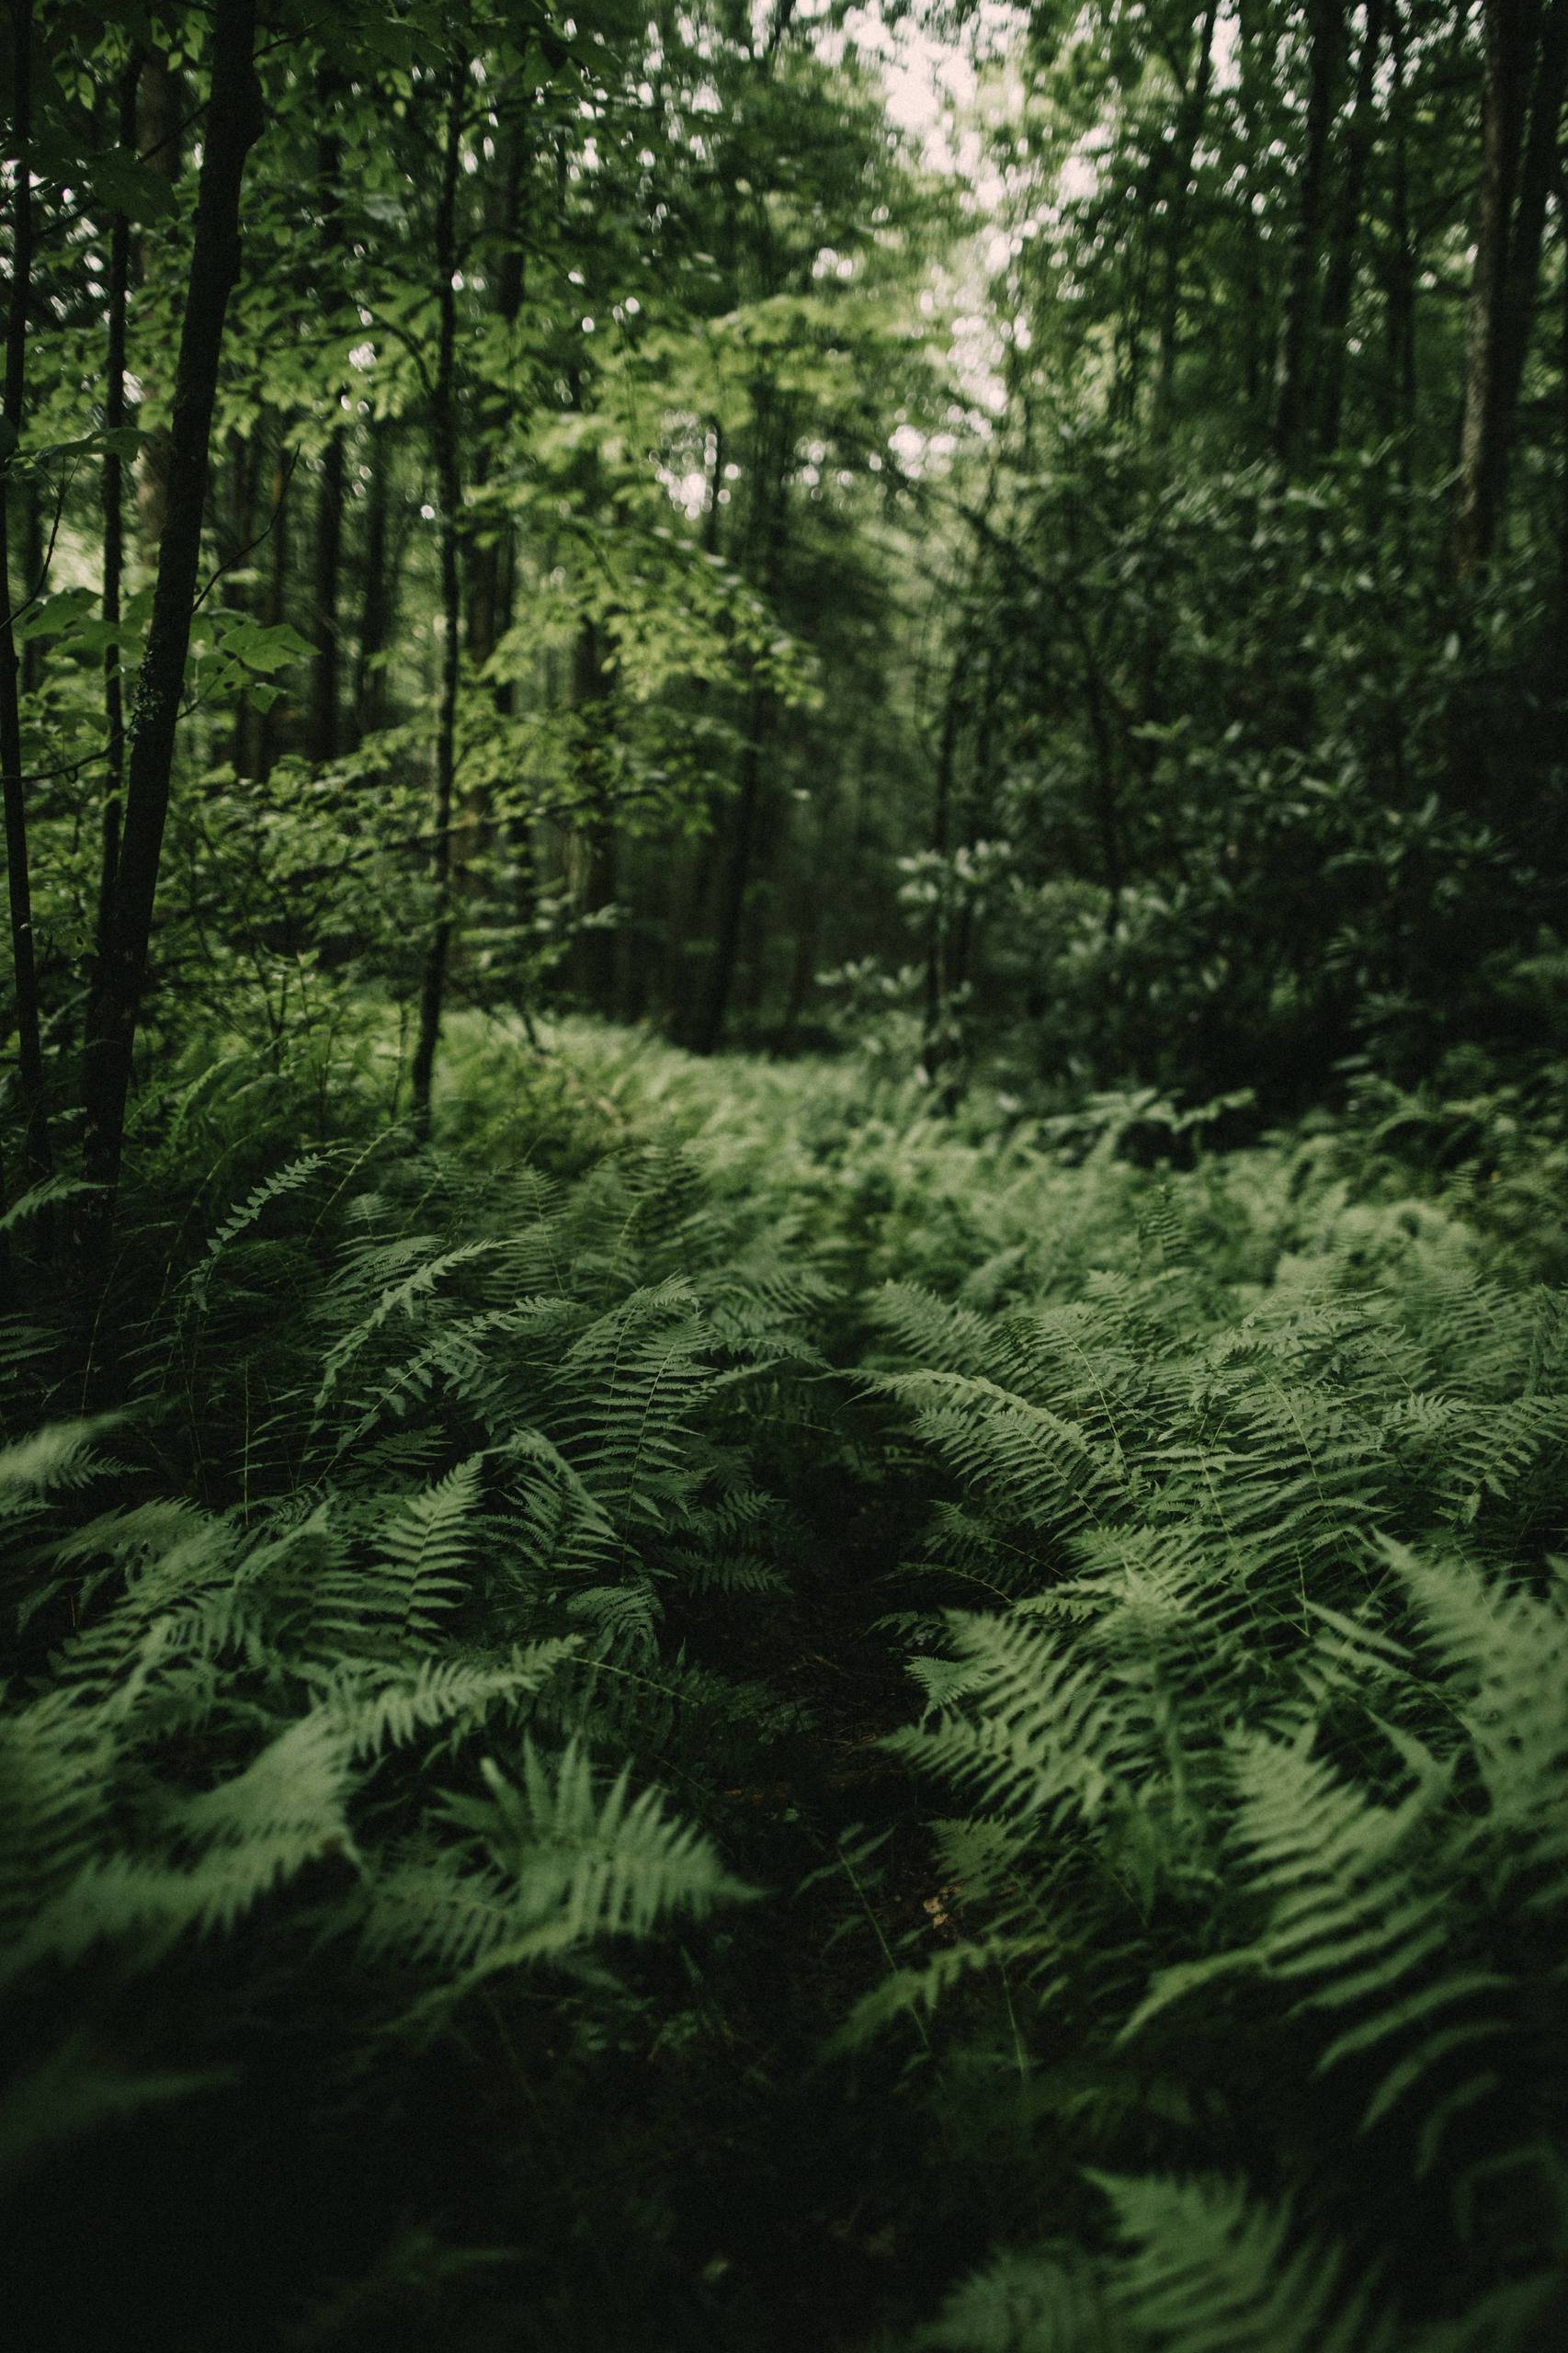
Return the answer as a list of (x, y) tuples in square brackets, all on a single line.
[(438, 1843)]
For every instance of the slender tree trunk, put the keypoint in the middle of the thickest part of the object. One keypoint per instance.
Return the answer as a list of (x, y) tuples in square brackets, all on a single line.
[(375, 610), (320, 723), (444, 437), (30, 1038), (233, 123), (269, 722), (1339, 282), (487, 553), (937, 1045), (1527, 72), (1562, 414), (245, 454), (1189, 131), (766, 533), (159, 138), (598, 957), (33, 579), (736, 877), (808, 921), (1401, 269), (1297, 347), (114, 565), (321, 731)]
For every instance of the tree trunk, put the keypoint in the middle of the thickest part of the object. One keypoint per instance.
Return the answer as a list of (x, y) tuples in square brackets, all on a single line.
[(113, 487), (321, 724), (764, 535), (159, 141), (1562, 393), (1298, 346), (269, 722), (233, 123), (30, 1038), (375, 610), (488, 568), (1189, 131), (1400, 273), (1527, 70), (444, 439), (937, 1045), (1339, 284), (598, 958), (34, 580), (736, 876)]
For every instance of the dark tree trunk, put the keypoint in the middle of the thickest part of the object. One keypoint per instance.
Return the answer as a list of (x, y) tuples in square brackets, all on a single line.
[(765, 548), (321, 729), (34, 567), (488, 569), (1562, 414), (240, 542), (375, 611), (1339, 282), (598, 955), (233, 123), (159, 140), (1298, 346), (1400, 272), (269, 722), (29, 1037), (114, 565), (1191, 120), (937, 1045), (736, 877), (1527, 70), (320, 723), (444, 439)]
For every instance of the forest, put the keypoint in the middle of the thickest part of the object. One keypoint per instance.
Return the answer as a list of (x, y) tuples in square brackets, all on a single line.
[(783, 1153)]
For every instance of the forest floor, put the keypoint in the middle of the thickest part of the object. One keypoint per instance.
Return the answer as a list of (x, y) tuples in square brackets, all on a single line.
[(685, 1420)]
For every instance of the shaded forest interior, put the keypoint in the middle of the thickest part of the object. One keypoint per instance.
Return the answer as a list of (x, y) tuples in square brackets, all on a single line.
[(783, 1125)]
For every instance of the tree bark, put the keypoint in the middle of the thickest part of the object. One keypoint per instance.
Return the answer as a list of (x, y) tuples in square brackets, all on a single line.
[(936, 1043), (233, 124), (159, 137), (448, 492), (598, 958), (1189, 131), (1298, 344), (29, 1040), (269, 722), (766, 531), (1527, 72), (1400, 270), (321, 724), (113, 490), (375, 610), (1339, 283)]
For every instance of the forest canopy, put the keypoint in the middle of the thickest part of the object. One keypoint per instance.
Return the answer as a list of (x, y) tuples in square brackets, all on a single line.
[(783, 1377)]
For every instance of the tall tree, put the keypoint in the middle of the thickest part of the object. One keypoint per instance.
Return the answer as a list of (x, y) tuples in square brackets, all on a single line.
[(1299, 335), (18, 848), (1339, 279), (113, 492), (1190, 118), (321, 729), (449, 496), (233, 124), (1521, 120)]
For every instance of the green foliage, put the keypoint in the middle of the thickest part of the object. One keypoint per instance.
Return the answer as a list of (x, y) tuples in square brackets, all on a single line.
[(397, 1668), (1254, 1708)]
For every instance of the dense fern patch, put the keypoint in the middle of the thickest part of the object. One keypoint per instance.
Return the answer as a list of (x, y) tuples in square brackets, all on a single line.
[(726, 1712)]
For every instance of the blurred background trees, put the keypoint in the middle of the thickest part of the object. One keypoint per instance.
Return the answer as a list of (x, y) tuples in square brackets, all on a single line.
[(1083, 575)]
